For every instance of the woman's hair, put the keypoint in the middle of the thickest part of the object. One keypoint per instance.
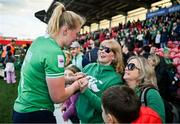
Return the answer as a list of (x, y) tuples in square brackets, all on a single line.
[(73, 68), (67, 55), (155, 58), (122, 103), (61, 17), (118, 63), (147, 74)]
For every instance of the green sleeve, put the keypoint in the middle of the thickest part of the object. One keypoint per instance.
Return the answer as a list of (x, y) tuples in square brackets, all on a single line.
[(155, 102), (94, 100)]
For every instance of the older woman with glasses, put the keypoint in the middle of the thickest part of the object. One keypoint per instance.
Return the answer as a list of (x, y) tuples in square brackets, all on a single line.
[(139, 74), (105, 73)]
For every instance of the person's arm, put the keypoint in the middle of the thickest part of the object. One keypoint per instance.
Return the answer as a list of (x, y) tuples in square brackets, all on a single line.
[(95, 100), (57, 90)]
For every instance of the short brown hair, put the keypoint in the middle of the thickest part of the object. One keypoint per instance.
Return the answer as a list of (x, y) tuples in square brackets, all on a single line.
[(122, 103)]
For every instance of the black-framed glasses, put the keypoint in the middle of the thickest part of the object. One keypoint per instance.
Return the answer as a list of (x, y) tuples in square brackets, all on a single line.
[(106, 49), (132, 66)]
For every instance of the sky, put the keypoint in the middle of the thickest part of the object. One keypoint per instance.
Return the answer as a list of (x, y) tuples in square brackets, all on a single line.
[(17, 18)]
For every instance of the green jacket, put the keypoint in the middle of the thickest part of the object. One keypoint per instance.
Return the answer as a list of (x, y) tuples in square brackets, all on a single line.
[(154, 101), (89, 102)]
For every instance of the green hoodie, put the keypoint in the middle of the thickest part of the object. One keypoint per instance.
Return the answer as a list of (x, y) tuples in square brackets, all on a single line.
[(89, 102)]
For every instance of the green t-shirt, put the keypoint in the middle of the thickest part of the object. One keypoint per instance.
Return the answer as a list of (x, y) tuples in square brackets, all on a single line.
[(44, 59)]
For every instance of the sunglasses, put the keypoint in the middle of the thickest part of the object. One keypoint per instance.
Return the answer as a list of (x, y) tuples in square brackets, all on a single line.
[(132, 66), (106, 49)]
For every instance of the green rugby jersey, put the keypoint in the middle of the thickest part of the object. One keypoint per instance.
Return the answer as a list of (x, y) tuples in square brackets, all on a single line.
[(44, 59)]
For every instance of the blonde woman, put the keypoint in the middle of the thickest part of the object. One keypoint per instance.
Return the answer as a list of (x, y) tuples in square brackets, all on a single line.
[(153, 60), (162, 75), (139, 74), (105, 73), (42, 80)]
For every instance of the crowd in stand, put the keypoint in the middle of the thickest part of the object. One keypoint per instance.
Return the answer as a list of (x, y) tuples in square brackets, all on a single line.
[(159, 35), (157, 40)]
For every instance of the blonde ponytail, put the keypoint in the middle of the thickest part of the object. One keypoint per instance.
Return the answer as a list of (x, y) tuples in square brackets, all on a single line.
[(61, 17), (53, 24)]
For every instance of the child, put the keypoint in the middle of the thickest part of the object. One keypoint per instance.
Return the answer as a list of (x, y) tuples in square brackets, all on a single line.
[(68, 108), (121, 105), (9, 69)]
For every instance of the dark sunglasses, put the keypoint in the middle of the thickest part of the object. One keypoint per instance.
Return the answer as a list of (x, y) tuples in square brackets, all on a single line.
[(106, 49), (132, 66)]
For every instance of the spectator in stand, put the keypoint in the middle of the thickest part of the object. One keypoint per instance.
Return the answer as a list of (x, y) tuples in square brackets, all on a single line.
[(154, 61), (164, 38), (120, 104), (153, 50), (100, 76), (157, 40), (127, 50), (176, 30), (140, 39), (91, 56), (42, 80), (153, 32), (146, 36), (77, 55), (138, 75), (101, 36), (145, 51)]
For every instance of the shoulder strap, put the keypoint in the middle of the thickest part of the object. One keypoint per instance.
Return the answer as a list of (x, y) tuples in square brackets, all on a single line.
[(89, 54), (144, 94), (175, 112)]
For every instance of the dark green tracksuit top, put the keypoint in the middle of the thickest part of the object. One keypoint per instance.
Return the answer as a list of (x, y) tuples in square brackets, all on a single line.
[(89, 102)]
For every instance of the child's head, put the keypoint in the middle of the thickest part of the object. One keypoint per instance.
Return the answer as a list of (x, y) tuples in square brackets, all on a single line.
[(71, 70), (120, 105)]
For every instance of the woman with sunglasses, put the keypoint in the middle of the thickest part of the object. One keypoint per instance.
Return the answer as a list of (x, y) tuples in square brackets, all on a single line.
[(100, 76), (138, 75)]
